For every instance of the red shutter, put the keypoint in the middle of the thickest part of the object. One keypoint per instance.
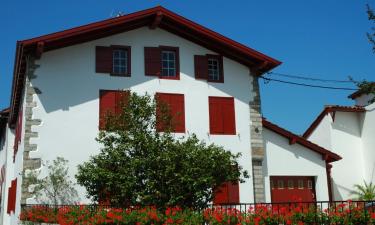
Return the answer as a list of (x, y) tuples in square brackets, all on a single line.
[(152, 61), (228, 116), (201, 67), (233, 192), (121, 98), (110, 103), (216, 115), (107, 105), (227, 193), (104, 61), (221, 194), (222, 116), (12, 191), (176, 106)]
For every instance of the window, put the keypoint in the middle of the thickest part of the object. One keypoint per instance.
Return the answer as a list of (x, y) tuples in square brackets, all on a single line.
[(209, 67), (290, 184), (162, 61), (213, 69), (114, 60), (175, 105), (168, 63), (110, 103), (120, 61), (309, 184), (227, 193), (300, 184), (222, 115), (280, 184)]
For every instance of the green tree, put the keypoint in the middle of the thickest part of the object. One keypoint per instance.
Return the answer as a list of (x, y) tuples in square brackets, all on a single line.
[(364, 86), (365, 192), (139, 166), (371, 35), (55, 188)]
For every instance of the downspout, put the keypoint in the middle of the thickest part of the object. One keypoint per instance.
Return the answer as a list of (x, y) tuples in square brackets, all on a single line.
[(329, 180)]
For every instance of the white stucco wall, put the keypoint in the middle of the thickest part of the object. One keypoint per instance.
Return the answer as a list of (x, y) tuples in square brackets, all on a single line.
[(69, 104), (368, 142), (283, 159), (343, 137), (346, 141), (322, 133), (363, 100)]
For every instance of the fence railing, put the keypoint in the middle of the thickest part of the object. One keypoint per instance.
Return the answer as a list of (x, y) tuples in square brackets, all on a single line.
[(320, 212)]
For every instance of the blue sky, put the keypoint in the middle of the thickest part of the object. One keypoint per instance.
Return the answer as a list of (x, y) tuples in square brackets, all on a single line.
[(322, 38)]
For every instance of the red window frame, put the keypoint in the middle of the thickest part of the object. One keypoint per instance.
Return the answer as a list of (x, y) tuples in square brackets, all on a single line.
[(176, 103), (222, 117), (153, 61), (201, 67), (219, 58), (128, 52), (104, 59), (177, 62)]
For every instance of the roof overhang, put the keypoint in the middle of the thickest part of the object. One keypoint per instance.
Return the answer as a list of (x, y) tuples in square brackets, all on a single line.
[(153, 17), (330, 109), (4, 114), (327, 155)]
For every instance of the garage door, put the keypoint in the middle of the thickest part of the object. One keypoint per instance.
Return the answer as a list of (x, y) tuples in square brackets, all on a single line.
[(292, 189)]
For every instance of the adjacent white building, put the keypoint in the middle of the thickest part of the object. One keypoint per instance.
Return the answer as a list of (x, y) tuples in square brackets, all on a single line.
[(350, 132), (64, 81)]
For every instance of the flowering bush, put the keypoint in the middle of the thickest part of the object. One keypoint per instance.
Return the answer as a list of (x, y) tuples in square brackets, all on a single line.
[(260, 214)]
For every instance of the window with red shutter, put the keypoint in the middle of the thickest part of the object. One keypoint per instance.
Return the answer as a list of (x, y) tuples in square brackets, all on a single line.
[(227, 193), (110, 103), (222, 115), (12, 191), (176, 107), (114, 60), (162, 61), (209, 67)]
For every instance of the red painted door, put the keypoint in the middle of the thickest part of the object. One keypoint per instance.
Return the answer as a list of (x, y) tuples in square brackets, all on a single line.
[(292, 189)]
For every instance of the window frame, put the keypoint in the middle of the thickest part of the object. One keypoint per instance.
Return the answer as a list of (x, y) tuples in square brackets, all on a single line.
[(128, 60), (177, 62), (219, 58)]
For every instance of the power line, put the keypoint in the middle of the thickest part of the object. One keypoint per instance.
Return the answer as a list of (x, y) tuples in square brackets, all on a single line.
[(308, 85), (309, 78)]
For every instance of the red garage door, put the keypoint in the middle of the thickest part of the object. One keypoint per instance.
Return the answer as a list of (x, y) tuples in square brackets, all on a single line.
[(292, 189)]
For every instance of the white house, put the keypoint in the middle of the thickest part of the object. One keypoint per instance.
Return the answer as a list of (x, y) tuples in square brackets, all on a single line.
[(64, 81), (349, 132)]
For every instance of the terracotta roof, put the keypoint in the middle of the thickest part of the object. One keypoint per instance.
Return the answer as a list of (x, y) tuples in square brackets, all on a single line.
[(327, 109), (327, 155), (358, 93), (153, 17)]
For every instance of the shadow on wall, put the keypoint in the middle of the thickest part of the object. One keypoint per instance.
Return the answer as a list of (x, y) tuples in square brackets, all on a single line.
[(337, 189), (64, 87), (348, 122)]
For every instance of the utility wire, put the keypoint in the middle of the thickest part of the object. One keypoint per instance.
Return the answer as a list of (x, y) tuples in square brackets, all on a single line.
[(309, 78), (308, 85)]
